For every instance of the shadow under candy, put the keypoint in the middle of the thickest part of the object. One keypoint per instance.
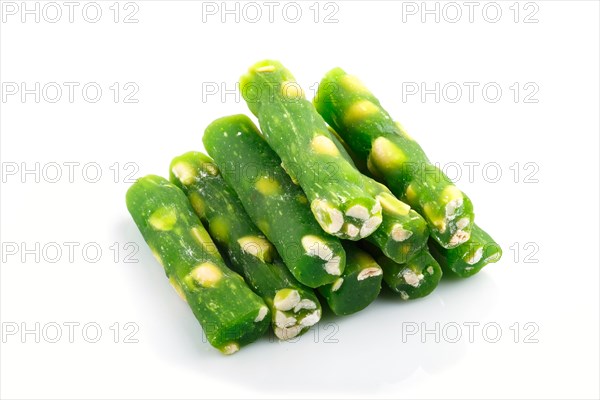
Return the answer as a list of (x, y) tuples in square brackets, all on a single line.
[(360, 352)]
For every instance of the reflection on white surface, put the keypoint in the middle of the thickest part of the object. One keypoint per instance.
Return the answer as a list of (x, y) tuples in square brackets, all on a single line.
[(360, 352)]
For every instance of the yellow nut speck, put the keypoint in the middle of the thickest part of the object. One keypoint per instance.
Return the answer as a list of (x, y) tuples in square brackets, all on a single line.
[(323, 145), (385, 155), (163, 219), (257, 246), (206, 274), (267, 186), (184, 172), (359, 111)]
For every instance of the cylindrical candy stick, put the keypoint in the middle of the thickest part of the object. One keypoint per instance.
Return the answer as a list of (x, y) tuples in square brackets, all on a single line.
[(468, 258), (300, 137), (357, 116), (358, 286), (275, 204), (416, 278), (294, 307), (229, 312)]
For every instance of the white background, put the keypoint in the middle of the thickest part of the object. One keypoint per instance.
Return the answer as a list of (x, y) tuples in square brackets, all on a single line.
[(172, 55)]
